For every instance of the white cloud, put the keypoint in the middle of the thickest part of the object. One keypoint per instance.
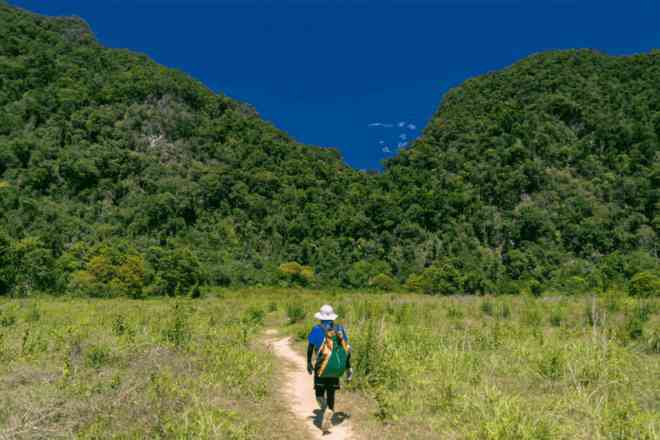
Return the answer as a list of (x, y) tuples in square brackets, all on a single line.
[(386, 150), (381, 142), (402, 145), (403, 136), (411, 127), (401, 124), (380, 124)]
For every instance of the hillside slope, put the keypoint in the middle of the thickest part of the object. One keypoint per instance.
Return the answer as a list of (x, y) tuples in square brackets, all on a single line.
[(554, 158), (105, 145), (120, 176)]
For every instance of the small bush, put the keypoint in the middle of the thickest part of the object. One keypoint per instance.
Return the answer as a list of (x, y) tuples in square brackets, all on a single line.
[(383, 282), (644, 285), (634, 328), (196, 292), (296, 274), (443, 277), (254, 315), (551, 364), (177, 331), (653, 341), (535, 288), (556, 316), (362, 272), (97, 356), (295, 313), (486, 308)]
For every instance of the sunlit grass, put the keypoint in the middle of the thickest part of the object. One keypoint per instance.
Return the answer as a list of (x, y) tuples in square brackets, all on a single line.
[(426, 367)]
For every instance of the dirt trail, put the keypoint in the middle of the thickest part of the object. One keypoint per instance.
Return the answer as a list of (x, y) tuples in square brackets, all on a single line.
[(300, 393)]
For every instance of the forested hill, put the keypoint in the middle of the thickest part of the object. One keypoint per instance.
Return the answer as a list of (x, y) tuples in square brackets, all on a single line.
[(551, 167), (120, 176)]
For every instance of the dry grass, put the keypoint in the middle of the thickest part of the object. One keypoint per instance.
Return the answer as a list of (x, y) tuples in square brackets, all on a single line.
[(127, 369)]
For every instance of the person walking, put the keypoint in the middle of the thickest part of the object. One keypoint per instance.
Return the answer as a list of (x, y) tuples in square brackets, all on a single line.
[(329, 341)]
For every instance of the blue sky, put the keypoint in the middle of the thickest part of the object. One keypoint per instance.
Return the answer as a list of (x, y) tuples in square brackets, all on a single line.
[(325, 70)]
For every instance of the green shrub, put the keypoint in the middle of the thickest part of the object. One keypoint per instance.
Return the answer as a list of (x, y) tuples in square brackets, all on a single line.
[(97, 356), (653, 341), (295, 312), (556, 316), (576, 285), (443, 277), (645, 284), (363, 272), (551, 364), (176, 270), (535, 288), (254, 315), (196, 292), (177, 330), (110, 272), (383, 282), (296, 274), (486, 307), (634, 328)]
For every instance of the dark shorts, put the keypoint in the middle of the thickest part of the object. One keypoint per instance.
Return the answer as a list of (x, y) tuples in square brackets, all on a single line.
[(326, 383)]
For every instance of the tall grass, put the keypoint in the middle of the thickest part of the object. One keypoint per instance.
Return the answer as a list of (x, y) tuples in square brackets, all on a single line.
[(425, 367), (503, 367)]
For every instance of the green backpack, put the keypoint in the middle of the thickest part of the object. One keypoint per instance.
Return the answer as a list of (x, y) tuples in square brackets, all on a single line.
[(336, 364)]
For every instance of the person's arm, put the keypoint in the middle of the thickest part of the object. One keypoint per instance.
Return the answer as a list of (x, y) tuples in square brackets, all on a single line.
[(310, 350)]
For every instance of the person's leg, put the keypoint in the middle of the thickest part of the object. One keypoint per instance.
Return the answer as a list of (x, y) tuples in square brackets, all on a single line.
[(320, 397), (331, 399), (326, 423)]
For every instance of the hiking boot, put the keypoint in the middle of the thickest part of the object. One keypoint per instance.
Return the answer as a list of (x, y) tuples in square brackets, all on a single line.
[(349, 375), (322, 403), (327, 421)]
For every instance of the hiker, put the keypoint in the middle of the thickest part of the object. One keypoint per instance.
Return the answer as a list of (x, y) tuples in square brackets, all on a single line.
[(333, 358)]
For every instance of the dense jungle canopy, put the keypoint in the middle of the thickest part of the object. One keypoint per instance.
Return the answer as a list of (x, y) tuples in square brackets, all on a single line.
[(122, 177)]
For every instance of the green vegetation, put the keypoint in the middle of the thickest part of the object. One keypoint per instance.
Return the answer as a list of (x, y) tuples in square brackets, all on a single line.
[(120, 177), (172, 368), (507, 367), (461, 367)]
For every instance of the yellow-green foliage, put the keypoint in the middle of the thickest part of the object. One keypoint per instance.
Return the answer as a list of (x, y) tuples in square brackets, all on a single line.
[(107, 276), (383, 281), (645, 284), (295, 273)]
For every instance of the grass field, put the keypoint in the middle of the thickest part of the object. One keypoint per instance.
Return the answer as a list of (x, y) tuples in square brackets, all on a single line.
[(426, 367)]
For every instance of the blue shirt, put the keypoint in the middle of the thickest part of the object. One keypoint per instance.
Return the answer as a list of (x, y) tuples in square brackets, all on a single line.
[(317, 335)]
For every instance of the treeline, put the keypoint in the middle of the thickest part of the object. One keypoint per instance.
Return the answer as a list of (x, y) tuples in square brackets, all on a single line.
[(122, 177)]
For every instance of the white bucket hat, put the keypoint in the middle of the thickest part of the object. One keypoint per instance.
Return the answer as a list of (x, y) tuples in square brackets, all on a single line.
[(326, 313)]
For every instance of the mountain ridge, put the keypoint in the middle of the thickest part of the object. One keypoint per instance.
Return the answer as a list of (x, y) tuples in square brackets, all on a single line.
[(123, 176)]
